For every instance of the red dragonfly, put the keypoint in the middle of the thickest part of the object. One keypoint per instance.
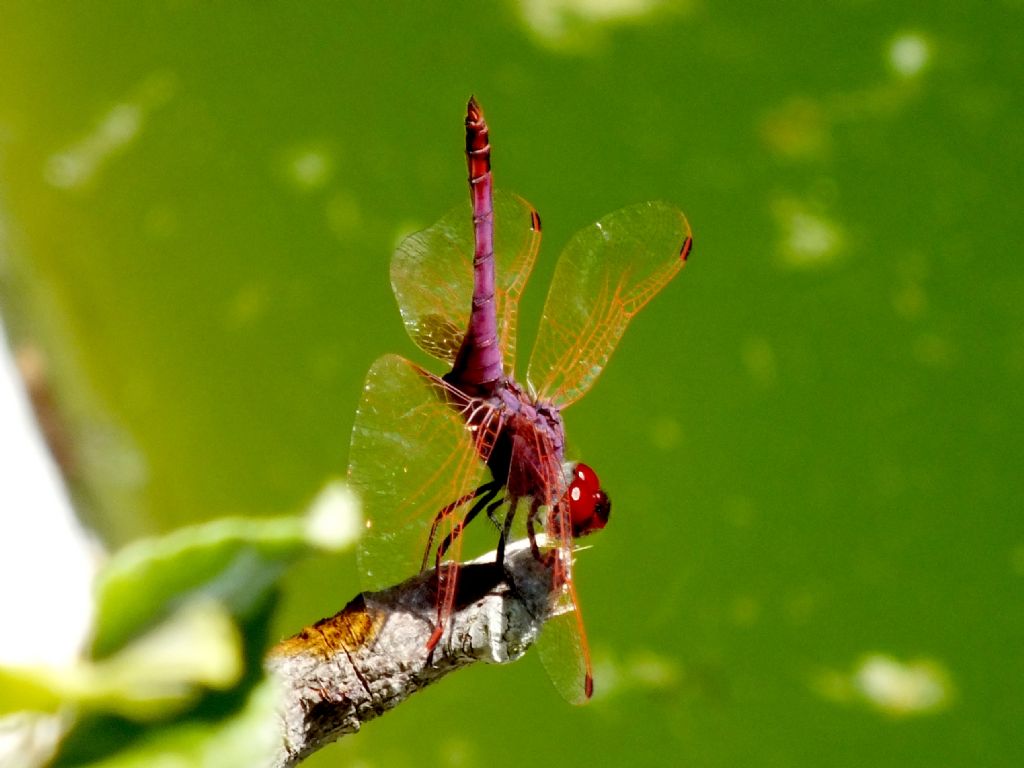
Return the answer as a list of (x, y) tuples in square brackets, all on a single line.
[(430, 453)]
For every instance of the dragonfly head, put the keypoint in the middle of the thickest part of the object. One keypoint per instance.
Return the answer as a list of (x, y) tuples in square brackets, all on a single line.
[(589, 505)]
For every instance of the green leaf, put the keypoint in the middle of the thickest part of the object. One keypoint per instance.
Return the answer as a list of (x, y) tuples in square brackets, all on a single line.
[(247, 737), (232, 560), (161, 673)]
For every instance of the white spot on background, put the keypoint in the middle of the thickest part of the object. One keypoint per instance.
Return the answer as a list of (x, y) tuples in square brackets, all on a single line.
[(79, 163), (577, 24), (307, 167), (334, 519), (909, 54), (900, 688), (642, 670), (809, 239), (802, 129), (890, 686)]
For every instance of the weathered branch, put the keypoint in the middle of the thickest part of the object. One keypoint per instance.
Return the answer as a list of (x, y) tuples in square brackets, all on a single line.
[(369, 657)]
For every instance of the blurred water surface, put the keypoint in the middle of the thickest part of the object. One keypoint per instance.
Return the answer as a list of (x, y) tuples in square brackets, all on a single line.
[(812, 437)]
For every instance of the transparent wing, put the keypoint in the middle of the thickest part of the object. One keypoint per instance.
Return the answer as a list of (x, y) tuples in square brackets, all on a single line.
[(412, 455), (562, 645), (606, 273), (432, 276)]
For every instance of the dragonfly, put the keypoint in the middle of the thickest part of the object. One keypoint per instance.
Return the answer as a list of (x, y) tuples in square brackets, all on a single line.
[(429, 453)]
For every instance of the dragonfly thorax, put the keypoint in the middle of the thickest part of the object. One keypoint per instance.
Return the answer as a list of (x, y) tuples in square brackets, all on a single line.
[(529, 445)]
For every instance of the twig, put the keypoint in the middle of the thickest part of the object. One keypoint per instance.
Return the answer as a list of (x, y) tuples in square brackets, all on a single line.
[(369, 657)]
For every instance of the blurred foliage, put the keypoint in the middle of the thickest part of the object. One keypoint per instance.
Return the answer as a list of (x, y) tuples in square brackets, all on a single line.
[(180, 634)]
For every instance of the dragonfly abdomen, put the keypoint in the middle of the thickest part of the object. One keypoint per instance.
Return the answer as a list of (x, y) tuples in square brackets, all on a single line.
[(479, 360)]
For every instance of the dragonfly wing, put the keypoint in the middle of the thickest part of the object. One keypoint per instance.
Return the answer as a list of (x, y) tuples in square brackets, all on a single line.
[(432, 275), (516, 242), (412, 454), (606, 273), (562, 645)]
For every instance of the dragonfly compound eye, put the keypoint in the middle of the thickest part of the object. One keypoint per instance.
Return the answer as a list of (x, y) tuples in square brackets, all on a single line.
[(589, 506)]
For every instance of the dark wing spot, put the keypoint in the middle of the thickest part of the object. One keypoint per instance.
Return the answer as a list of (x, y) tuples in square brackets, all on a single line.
[(684, 252)]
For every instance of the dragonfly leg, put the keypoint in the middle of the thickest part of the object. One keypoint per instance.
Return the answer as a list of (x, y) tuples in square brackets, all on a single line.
[(485, 493), (505, 528), (447, 582), (443, 514), (531, 532), (498, 526)]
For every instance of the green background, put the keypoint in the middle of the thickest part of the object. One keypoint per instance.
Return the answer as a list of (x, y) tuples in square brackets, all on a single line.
[(812, 437)]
